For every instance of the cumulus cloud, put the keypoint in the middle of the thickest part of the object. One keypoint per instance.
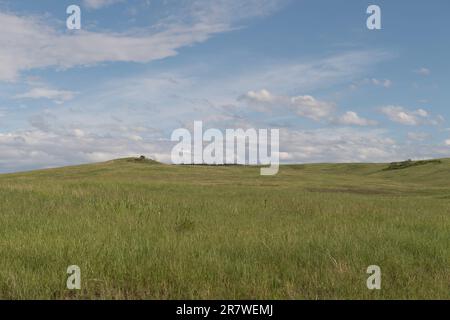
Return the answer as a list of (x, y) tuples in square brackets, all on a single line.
[(305, 106), (50, 143), (447, 142), (308, 106), (353, 119), (263, 100), (404, 116), (31, 149), (262, 96), (85, 131), (352, 145), (340, 145)]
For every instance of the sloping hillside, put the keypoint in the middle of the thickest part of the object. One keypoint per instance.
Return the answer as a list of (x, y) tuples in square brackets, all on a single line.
[(141, 229)]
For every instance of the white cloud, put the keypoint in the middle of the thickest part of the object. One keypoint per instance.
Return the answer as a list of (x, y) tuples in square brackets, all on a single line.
[(352, 145), (352, 118), (407, 117), (263, 100), (262, 96), (97, 4), (305, 106), (58, 96), (121, 117), (308, 106), (33, 44), (31, 149), (447, 142), (386, 83), (340, 145), (24, 150), (423, 71), (307, 75)]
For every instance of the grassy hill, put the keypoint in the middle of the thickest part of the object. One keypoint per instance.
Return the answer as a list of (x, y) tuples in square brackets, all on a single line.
[(140, 229)]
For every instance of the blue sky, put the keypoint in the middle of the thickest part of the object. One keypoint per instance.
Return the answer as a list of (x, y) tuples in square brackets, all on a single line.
[(139, 69)]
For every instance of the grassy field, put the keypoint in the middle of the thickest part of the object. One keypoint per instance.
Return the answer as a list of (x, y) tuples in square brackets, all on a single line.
[(143, 230)]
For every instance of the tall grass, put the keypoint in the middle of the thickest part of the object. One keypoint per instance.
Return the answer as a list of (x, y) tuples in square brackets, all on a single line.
[(149, 231)]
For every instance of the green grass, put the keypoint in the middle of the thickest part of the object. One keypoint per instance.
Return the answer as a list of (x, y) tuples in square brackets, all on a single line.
[(143, 230)]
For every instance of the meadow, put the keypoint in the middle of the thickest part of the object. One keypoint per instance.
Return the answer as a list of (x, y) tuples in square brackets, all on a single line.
[(144, 230)]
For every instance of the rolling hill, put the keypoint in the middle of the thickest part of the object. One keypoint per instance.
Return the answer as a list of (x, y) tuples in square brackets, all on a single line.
[(139, 229)]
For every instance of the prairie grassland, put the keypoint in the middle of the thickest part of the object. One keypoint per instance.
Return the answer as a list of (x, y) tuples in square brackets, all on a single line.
[(154, 231)]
